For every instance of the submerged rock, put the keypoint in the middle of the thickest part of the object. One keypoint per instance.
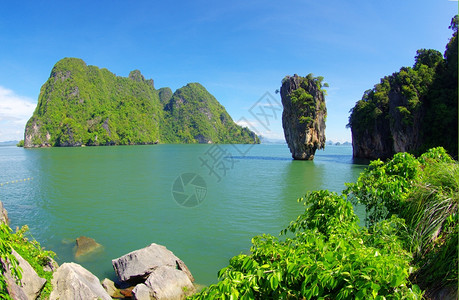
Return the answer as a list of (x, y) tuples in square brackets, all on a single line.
[(303, 118), (86, 246), (72, 281)]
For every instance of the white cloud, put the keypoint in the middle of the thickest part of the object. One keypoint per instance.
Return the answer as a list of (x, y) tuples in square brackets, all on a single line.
[(276, 132), (15, 110)]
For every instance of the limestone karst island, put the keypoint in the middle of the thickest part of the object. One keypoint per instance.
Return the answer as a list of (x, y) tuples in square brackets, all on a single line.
[(320, 222)]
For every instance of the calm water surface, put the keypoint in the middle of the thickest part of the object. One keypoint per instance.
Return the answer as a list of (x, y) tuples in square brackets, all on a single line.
[(122, 197)]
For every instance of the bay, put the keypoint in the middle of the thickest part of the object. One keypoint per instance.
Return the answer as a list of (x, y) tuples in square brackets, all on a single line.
[(127, 197)]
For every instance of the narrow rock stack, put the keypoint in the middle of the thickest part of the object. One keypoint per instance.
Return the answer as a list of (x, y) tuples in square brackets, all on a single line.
[(303, 118)]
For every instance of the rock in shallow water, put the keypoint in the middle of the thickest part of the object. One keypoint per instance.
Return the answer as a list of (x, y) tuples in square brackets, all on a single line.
[(303, 118), (86, 246)]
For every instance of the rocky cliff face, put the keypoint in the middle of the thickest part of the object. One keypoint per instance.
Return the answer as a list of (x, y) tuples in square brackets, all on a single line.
[(388, 128), (303, 118), (411, 110), (84, 105)]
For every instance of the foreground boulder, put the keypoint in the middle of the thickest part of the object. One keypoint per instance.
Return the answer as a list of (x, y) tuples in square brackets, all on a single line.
[(158, 273), (86, 246), (72, 281), (169, 283), (30, 284), (137, 265), (303, 117)]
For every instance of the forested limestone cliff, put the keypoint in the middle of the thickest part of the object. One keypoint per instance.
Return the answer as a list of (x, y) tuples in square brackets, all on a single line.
[(84, 105)]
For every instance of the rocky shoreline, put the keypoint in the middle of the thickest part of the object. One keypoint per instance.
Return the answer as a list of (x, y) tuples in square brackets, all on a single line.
[(153, 272)]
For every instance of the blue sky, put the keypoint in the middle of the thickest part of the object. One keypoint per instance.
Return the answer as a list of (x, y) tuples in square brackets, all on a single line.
[(238, 50)]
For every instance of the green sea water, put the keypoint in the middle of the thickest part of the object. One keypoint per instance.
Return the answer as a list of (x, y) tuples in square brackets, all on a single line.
[(127, 197)]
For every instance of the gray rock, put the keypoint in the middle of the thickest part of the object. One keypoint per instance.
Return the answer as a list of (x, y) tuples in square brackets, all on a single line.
[(30, 284), (142, 292), (111, 289), (72, 281), (3, 215), (303, 118), (51, 266), (137, 265), (169, 283), (14, 290)]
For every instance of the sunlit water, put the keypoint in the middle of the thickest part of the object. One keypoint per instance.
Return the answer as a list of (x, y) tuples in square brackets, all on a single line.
[(122, 197)]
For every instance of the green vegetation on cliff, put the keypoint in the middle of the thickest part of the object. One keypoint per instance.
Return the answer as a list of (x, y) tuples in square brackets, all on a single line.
[(85, 105), (194, 115), (411, 110), (411, 240), (30, 250), (304, 114)]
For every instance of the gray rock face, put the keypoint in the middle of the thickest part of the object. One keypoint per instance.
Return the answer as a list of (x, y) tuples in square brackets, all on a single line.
[(142, 292), (137, 265), (390, 133), (169, 283), (303, 118), (30, 285), (3, 214), (72, 281), (111, 289)]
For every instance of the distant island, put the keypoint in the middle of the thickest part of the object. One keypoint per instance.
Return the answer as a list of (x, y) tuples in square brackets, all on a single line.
[(411, 110), (81, 105)]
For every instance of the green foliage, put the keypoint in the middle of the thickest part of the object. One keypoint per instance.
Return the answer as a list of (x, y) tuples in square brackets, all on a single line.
[(20, 144), (8, 258), (329, 257), (432, 214), (307, 98), (193, 115), (325, 254), (384, 187), (425, 192), (35, 255), (85, 105), (31, 251), (425, 101)]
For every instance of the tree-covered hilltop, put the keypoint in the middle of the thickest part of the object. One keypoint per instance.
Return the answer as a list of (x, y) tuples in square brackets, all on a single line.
[(411, 110), (193, 115), (84, 105)]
